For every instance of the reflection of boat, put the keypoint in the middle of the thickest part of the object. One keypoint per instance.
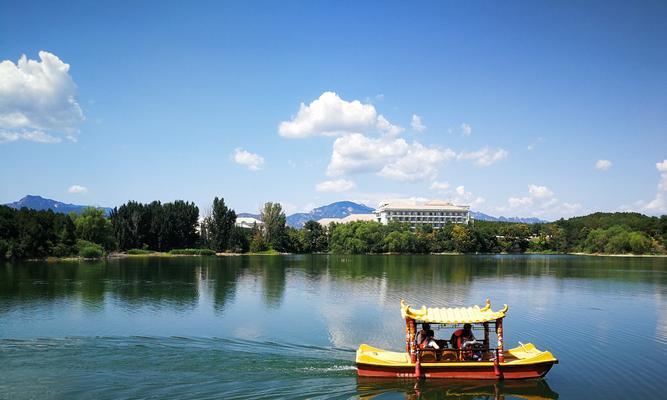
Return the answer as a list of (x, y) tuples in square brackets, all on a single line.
[(535, 389), (478, 361)]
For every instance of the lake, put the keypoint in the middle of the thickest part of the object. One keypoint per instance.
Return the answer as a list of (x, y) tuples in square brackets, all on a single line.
[(288, 326)]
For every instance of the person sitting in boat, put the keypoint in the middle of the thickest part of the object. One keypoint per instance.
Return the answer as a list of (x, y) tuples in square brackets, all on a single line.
[(426, 338), (464, 339)]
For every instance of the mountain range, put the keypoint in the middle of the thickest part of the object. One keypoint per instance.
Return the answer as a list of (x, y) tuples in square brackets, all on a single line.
[(338, 209), (40, 203)]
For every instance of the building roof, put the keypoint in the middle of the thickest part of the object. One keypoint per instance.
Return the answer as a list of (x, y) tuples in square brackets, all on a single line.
[(461, 315), (326, 221), (247, 221), (408, 204), (349, 218), (359, 217)]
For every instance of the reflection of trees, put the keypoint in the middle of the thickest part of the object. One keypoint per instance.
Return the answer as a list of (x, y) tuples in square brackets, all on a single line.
[(223, 274), (273, 279), (369, 388), (154, 281), (173, 282), (136, 282)]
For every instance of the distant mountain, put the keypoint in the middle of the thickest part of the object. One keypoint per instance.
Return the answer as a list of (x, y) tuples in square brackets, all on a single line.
[(485, 217), (40, 203), (339, 209), (248, 215)]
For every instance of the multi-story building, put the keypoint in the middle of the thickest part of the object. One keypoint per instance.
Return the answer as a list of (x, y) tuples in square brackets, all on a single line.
[(436, 213)]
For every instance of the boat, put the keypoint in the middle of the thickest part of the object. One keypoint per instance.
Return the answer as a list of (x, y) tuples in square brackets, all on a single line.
[(476, 359)]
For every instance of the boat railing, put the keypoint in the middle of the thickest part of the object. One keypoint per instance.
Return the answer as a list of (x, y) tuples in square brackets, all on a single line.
[(472, 354)]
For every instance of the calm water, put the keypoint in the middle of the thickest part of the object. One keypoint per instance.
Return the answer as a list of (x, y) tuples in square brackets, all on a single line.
[(268, 327)]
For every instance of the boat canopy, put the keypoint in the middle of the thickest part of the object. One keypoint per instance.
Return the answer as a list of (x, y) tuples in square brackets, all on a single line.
[(457, 315)]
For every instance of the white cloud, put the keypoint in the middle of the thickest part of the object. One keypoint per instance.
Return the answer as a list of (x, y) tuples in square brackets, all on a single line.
[(32, 136), (539, 192), (540, 202), (534, 144), (329, 115), (602, 165), (337, 186), (484, 157), (659, 204), (392, 158), (77, 189), (38, 100), (440, 186), (466, 129), (661, 166), (463, 197), (253, 162), (417, 124)]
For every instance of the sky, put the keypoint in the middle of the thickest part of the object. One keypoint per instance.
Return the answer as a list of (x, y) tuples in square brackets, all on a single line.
[(546, 109)]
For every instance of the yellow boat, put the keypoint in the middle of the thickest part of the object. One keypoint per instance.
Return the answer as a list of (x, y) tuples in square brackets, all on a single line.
[(448, 359)]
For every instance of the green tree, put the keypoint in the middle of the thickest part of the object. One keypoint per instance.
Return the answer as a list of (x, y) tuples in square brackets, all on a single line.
[(462, 239), (94, 227), (221, 225), (313, 238), (274, 221)]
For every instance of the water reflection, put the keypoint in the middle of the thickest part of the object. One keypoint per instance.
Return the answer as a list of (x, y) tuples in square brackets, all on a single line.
[(311, 312), (179, 282), (436, 390)]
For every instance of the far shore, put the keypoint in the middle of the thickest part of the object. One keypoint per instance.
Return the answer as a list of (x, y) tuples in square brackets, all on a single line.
[(160, 254)]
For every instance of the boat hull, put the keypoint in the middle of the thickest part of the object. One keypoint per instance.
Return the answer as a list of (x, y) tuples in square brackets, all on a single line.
[(487, 372), (524, 362)]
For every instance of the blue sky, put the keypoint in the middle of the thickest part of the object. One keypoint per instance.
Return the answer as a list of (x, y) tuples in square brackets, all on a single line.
[(507, 106)]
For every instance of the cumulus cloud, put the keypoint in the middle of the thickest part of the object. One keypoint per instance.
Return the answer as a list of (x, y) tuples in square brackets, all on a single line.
[(31, 136), (466, 129), (77, 189), (540, 202), (539, 192), (38, 100), (440, 186), (484, 157), (392, 158), (457, 196), (417, 124), (602, 165), (329, 115), (337, 186), (659, 204), (253, 162), (464, 197)]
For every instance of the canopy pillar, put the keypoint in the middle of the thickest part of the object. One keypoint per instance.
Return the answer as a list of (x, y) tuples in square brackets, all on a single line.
[(410, 330), (499, 334)]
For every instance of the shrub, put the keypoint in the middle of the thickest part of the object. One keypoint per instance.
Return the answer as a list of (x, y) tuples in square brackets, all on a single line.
[(90, 252), (62, 250), (89, 249), (193, 252), (139, 251)]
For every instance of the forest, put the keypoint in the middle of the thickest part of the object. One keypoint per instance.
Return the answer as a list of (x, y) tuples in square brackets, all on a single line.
[(176, 227)]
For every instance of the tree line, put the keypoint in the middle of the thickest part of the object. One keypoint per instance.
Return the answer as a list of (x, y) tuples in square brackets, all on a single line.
[(176, 226)]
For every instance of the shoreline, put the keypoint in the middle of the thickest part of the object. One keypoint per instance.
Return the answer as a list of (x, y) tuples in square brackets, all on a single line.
[(157, 254)]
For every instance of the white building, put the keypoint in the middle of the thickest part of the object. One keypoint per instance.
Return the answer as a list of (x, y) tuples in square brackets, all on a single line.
[(350, 218), (435, 212), (248, 222)]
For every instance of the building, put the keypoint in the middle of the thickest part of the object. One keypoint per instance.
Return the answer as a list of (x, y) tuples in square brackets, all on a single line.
[(248, 222), (350, 218), (436, 213)]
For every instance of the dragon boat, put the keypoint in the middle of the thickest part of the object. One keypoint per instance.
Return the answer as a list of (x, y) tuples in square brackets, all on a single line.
[(477, 359)]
